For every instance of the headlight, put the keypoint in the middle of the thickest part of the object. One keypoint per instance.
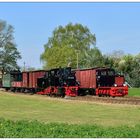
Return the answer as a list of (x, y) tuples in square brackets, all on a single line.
[(124, 85), (115, 85)]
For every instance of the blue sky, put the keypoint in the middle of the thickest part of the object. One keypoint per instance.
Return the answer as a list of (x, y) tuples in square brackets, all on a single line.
[(116, 25)]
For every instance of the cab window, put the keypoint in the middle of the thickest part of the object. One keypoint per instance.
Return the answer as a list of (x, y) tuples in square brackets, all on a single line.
[(111, 73), (103, 73)]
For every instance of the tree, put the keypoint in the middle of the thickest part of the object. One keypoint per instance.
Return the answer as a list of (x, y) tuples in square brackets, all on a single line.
[(113, 59), (135, 73), (126, 64), (59, 57), (8, 51), (94, 58), (67, 42), (108, 61)]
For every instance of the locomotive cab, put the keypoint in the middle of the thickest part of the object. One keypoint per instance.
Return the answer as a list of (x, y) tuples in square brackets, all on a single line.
[(105, 77), (108, 78), (110, 84)]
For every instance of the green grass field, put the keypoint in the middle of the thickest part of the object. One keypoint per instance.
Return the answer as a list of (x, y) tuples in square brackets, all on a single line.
[(44, 109), (134, 92), (80, 115)]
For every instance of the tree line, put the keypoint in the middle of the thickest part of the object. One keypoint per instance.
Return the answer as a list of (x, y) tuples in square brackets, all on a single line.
[(71, 45)]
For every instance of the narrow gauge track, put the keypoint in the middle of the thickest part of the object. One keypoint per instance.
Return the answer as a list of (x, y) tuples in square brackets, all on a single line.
[(116, 100)]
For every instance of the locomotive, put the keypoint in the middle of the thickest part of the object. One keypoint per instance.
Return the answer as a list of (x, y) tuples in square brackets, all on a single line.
[(59, 82), (98, 81)]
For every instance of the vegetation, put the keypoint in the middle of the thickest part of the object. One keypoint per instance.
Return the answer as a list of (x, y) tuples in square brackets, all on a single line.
[(35, 129), (8, 51), (65, 44), (27, 116), (93, 57), (134, 92), (45, 109)]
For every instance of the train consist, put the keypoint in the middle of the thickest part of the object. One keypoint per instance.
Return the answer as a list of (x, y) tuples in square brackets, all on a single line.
[(67, 82)]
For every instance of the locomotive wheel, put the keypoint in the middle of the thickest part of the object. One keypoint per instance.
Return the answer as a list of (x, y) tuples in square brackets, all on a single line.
[(50, 95), (7, 89), (100, 95), (13, 90), (61, 92), (22, 90), (63, 96)]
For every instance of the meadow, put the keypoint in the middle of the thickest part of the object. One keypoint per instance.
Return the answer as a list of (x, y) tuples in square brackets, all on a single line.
[(134, 92), (38, 116)]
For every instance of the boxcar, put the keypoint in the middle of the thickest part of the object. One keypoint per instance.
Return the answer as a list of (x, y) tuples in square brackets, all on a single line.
[(33, 76), (28, 81), (25, 79)]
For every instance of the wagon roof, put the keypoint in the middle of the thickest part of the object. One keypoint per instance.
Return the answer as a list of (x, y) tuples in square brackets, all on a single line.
[(36, 71), (95, 68)]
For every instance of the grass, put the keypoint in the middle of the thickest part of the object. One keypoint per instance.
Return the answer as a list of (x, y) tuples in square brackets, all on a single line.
[(134, 92), (27, 116), (48, 110), (35, 129)]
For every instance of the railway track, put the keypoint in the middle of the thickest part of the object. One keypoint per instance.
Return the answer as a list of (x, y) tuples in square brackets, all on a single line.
[(116, 100)]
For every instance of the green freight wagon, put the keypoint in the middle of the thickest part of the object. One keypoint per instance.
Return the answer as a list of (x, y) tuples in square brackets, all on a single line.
[(6, 81), (8, 78)]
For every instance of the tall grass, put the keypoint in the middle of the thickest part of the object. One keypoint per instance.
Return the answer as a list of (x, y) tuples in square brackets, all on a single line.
[(35, 129)]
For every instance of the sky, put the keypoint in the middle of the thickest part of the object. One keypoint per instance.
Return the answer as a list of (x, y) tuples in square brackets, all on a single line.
[(116, 25)]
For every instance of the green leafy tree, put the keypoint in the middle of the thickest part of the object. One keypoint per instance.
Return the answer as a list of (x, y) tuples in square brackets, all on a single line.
[(94, 58), (57, 57), (112, 59), (65, 44), (135, 72), (126, 64), (108, 61), (8, 51)]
